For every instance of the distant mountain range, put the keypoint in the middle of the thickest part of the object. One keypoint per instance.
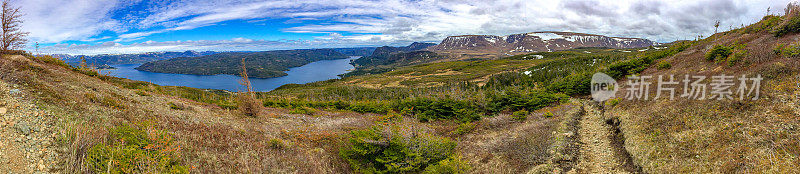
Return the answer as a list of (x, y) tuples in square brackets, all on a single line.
[(111, 59), (140, 58), (264, 64), (532, 42)]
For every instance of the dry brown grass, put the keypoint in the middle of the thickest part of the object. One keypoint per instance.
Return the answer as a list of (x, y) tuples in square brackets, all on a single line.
[(502, 145), (249, 106), (727, 136)]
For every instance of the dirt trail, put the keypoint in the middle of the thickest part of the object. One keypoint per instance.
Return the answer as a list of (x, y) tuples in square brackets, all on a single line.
[(601, 149)]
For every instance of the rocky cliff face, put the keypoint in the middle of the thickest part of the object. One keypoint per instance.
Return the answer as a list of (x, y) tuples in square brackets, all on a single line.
[(534, 42)]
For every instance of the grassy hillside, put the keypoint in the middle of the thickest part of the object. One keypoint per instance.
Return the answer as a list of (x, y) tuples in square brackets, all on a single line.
[(723, 136), (259, 64)]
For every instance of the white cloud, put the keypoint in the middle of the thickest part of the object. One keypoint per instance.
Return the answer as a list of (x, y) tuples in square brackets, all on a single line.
[(235, 44), (367, 22), (60, 20)]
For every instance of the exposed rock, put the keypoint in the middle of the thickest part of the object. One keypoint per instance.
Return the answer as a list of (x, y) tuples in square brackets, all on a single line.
[(23, 128)]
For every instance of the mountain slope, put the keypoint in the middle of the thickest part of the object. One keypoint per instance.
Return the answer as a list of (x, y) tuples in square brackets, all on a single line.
[(721, 136), (532, 42), (383, 55), (385, 58), (265, 64)]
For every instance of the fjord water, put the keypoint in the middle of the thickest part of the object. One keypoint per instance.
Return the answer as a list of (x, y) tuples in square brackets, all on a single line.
[(312, 72)]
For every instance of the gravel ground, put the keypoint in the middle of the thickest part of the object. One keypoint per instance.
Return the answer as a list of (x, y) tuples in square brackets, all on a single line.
[(27, 134)]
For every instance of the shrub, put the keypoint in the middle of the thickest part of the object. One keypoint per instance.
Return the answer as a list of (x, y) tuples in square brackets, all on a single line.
[(514, 100), (719, 52), (548, 114), (784, 50), (91, 97), (303, 110), (575, 84), (51, 60), (426, 109), (276, 143), (87, 71), (368, 107), (452, 165), (391, 117), (620, 69), (376, 151), (104, 101), (249, 105), (613, 102), (464, 128), (736, 57), (520, 115), (112, 102), (133, 150), (142, 93), (176, 106), (767, 23), (664, 65), (791, 23), (775, 70)]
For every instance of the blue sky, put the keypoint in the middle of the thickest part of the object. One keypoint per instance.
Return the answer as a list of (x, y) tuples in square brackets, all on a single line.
[(134, 26)]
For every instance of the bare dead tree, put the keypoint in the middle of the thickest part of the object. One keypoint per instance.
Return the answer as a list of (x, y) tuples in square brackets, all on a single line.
[(245, 79), (248, 103), (11, 22), (83, 64), (768, 11), (791, 9)]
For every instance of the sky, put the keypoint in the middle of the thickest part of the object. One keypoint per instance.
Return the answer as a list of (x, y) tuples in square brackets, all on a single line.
[(91, 27)]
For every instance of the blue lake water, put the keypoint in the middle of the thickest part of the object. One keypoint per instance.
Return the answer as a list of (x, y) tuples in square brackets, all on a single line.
[(312, 72)]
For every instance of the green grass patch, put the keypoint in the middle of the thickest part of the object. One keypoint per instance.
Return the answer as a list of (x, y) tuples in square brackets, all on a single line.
[(520, 115), (133, 150)]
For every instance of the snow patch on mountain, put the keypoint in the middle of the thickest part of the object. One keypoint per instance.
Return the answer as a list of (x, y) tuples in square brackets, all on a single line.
[(546, 36)]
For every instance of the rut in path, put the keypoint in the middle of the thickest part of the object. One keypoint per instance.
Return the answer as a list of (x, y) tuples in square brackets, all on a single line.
[(601, 144)]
